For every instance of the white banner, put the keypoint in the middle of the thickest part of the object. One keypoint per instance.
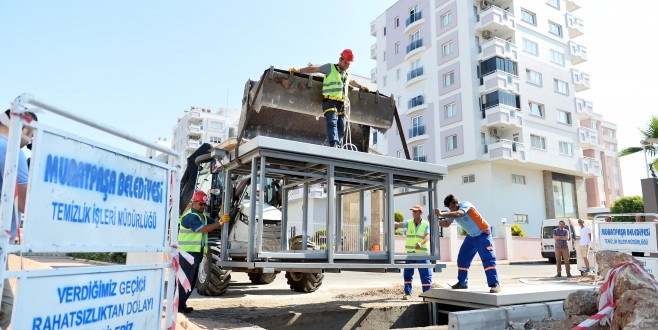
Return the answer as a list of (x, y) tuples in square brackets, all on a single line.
[(112, 300), (85, 195), (627, 236)]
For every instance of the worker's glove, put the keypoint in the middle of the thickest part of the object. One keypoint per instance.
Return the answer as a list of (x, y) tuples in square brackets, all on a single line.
[(365, 89), (225, 218), (293, 70)]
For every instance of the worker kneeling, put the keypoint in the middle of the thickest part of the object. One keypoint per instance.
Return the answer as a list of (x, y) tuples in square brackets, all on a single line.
[(418, 235)]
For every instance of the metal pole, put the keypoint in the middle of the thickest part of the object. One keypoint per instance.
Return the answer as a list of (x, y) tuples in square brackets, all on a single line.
[(331, 213), (362, 220), (261, 203), (252, 210), (305, 217)]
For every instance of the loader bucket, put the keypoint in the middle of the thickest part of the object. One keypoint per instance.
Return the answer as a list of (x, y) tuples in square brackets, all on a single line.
[(289, 106)]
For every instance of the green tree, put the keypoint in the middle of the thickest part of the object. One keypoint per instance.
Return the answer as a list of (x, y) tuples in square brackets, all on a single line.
[(399, 217), (517, 230), (628, 204), (648, 133)]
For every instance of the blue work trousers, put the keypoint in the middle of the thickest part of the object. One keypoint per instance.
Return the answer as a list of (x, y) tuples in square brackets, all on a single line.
[(425, 276), (334, 115), (483, 245)]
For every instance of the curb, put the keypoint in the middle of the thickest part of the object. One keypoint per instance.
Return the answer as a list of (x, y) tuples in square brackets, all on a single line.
[(500, 318)]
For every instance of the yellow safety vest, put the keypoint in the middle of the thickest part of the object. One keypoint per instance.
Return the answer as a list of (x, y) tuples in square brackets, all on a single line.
[(188, 239), (334, 87), (415, 235)]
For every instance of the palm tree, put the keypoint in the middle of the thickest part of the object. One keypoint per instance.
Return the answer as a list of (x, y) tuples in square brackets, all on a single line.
[(650, 134)]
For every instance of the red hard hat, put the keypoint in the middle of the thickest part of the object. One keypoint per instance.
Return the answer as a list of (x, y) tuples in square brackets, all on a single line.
[(347, 55), (200, 196)]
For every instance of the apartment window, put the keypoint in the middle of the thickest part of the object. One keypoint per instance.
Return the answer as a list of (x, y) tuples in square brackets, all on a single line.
[(538, 142), (215, 139), (216, 125), (553, 3), (520, 218), (384, 56), (561, 87), (557, 57), (385, 81), (518, 179), (451, 142), (397, 74), (555, 28), (418, 153), (468, 178), (446, 19), (564, 117), (397, 48), (396, 21), (374, 137), (534, 77), (384, 30), (536, 109), (448, 79), (400, 154), (450, 110), (447, 48), (528, 17), (531, 47), (566, 148)]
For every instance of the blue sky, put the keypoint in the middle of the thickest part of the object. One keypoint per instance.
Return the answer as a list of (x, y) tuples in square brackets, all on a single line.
[(137, 65)]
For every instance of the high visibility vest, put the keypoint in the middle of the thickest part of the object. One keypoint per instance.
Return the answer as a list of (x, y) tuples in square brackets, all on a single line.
[(188, 239), (334, 87), (415, 235)]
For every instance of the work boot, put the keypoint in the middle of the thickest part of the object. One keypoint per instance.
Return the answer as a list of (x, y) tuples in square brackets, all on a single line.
[(495, 289), (587, 270), (185, 310), (459, 286), (406, 297), (558, 275), (568, 275)]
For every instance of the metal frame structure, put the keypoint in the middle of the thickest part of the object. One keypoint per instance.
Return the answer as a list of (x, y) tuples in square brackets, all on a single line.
[(299, 165)]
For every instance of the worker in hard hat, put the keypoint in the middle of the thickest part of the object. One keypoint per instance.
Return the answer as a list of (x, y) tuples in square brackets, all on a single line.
[(193, 238), (334, 91)]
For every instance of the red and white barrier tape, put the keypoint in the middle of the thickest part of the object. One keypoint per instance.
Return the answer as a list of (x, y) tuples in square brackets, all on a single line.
[(180, 278), (606, 302)]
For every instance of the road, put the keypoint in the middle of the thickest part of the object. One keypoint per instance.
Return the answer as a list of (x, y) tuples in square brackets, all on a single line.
[(244, 299)]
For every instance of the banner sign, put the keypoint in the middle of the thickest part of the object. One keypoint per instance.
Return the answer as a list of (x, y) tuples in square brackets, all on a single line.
[(110, 300), (627, 236), (85, 195)]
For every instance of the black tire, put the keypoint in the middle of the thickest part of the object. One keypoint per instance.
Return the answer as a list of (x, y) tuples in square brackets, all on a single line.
[(304, 282), (551, 260), (213, 280), (262, 278)]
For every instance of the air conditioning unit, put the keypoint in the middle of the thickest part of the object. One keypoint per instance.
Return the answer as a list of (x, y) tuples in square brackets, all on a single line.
[(486, 34)]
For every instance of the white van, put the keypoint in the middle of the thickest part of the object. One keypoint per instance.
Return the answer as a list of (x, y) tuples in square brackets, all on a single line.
[(548, 243)]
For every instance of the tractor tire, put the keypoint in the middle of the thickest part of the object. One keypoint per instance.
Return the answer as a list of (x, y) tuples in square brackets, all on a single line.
[(212, 280), (304, 282), (262, 278)]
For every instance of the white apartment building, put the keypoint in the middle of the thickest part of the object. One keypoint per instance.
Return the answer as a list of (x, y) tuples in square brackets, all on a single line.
[(201, 125), (490, 89)]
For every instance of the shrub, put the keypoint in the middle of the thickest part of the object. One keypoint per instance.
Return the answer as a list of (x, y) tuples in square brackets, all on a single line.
[(517, 230), (113, 257), (399, 217), (628, 204)]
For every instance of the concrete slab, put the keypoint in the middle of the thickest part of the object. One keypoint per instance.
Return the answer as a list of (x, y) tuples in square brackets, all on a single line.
[(511, 295)]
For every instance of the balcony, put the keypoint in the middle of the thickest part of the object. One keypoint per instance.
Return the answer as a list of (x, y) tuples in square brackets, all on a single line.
[(414, 20), (584, 109), (193, 144), (416, 104), (194, 116), (499, 80), (575, 25), (373, 51), (499, 47), (589, 138), (503, 116), (496, 21), (373, 75), (414, 48), (578, 53), (420, 158), (194, 130), (573, 5), (590, 166), (506, 150), (414, 76), (373, 29), (580, 80), (416, 131)]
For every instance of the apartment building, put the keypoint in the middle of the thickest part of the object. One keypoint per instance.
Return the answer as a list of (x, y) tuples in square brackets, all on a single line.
[(490, 89), (202, 125)]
